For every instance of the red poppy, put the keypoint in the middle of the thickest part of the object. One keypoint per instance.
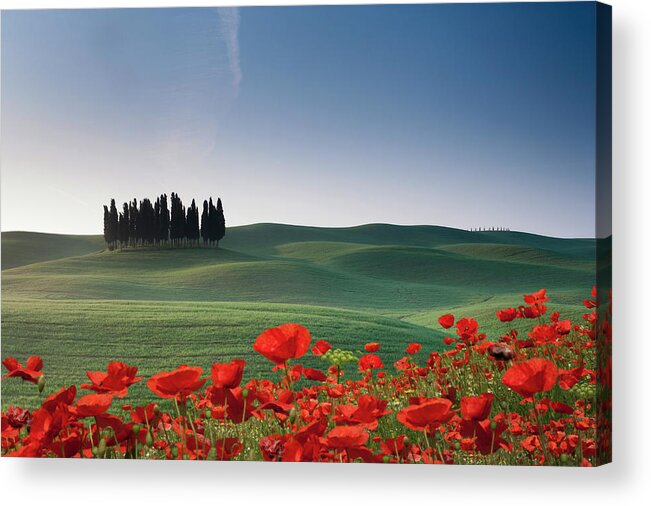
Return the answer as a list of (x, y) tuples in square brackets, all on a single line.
[(476, 408), (321, 347), (31, 372), (282, 343), (226, 375), (116, 380), (467, 327), (178, 383), (92, 405), (372, 347), (446, 321), (18, 417), (507, 315), (430, 412), (537, 298), (65, 397), (314, 374), (487, 439), (449, 340), (530, 377), (227, 448), (413, 348), (346, 436), (370, 362)]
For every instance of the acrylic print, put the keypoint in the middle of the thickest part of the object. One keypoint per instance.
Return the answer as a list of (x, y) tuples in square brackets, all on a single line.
[(374, 234)]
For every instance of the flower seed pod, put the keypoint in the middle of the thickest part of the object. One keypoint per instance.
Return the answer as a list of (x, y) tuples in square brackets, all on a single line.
[(293, 414), (41, 383), (149, 439), (101, 448)]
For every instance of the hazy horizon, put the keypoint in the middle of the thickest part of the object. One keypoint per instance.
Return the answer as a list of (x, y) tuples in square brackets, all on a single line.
[(461, 116), (326, 227)]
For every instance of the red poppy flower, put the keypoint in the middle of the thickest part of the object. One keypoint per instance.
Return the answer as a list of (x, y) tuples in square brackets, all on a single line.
[(31, 372), (476, 407), (530, 377), (413, 348), (372, 347), (279, 344), (226, 375), (314, 374), (346, 436), (65, 397), (370, 362), (425, 414), (18, 417), (446, 321), (227, 448), (449, 340), (507, 315), (487, 439), (536, 298), (92, 405), (178, 383), (116, 380), (467, 327), (321, 347)]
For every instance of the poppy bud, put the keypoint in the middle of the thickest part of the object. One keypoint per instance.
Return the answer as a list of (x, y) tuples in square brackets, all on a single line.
[(245, 392), (156, 409), (386, 459), (457, 445), (493, 425), (149, 439), (175, 451), (101, 448), (292, 415), (186, 456), (41, 383), (136, 428), (94, 451), (564, 457), (212, 454)]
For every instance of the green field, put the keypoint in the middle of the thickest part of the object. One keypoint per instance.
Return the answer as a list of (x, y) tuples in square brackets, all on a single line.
[(77, 306)]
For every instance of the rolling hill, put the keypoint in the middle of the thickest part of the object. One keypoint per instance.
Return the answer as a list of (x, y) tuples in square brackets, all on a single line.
[(78, 306)]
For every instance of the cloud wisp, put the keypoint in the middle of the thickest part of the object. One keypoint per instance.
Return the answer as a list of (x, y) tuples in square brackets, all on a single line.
[(229, 22)]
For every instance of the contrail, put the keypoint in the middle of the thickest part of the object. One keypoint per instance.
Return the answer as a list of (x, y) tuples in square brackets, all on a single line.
[(229, 22)]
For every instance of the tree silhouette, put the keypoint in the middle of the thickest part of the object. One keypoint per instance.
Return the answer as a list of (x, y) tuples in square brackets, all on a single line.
[(146, 224), (220, 230), (205, 226)]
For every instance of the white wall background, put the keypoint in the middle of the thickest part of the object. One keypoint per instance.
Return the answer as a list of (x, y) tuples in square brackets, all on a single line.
[(626, 481)]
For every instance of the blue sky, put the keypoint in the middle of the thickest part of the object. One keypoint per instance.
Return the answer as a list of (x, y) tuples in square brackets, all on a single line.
[(456, 115)]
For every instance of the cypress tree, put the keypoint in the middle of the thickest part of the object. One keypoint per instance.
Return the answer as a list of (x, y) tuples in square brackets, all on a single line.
[(212, 222), (221, 222), (107, 227), (133, 219), (204, 223), (164, 233), (113, 223)]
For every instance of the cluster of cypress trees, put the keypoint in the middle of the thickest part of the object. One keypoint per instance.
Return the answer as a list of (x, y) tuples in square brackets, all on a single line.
[(160, 224)]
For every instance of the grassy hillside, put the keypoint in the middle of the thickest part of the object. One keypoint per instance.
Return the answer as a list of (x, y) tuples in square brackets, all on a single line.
[(78, 306), (22, 248)]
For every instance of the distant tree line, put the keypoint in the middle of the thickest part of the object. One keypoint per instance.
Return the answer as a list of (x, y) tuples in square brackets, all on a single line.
[(163, 223), (490, 229)]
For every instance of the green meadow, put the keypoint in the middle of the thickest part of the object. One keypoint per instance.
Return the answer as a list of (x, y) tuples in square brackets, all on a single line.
[(78, 306)]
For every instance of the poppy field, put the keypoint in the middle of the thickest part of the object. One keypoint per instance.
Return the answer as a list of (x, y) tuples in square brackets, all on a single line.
[(540, 397)]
